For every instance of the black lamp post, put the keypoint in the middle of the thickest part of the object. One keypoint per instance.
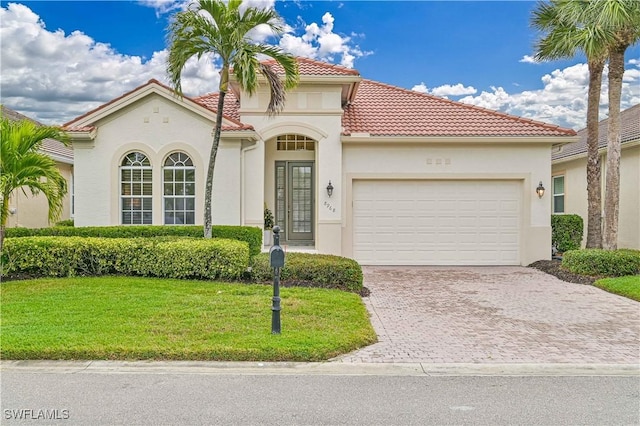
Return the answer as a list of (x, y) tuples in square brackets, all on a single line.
[(276, 255)]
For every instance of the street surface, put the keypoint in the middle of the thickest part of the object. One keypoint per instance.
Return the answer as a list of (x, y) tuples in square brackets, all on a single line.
[(368, 396)]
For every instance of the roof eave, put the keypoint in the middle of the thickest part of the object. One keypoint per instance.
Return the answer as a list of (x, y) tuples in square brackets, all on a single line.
[(547, 140)]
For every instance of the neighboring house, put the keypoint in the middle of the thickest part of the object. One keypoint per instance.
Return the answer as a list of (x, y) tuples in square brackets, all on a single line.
[(30, 211), (569, 188), (416, 179)]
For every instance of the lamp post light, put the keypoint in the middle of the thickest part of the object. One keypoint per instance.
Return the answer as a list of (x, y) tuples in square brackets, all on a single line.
[(329, 189), (540, 190)]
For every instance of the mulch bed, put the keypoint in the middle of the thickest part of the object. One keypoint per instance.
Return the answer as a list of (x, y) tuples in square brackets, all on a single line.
[(553, 267)]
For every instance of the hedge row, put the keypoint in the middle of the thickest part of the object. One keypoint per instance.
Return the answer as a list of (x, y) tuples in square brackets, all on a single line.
[(566, 232), (251, 235), (605, 263), (159, 257), (317, 270)]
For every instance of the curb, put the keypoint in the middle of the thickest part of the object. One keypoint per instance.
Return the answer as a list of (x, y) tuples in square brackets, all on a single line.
[(317, 368)]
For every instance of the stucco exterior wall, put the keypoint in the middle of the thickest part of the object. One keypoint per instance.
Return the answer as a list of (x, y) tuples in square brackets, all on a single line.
[(157, 127), (526, 163), (33, 211), (576, 193), (313, 111)]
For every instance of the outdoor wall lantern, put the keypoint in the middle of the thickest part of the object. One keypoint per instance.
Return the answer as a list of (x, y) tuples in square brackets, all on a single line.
[(329, 189), (540, 190)]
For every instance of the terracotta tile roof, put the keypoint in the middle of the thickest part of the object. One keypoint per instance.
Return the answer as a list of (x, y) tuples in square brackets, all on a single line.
[(383, 110), (49, 146), (236, 124), (629, 131), (231, 104), (311, 67)]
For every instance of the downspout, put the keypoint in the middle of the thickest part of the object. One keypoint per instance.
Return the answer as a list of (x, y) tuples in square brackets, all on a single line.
[(243, 178)]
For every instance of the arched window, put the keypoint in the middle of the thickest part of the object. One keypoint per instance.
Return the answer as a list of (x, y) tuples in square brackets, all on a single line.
[(135, 189), (179, 182)]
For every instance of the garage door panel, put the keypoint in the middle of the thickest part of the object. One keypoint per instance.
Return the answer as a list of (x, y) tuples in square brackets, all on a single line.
[(437, 222)]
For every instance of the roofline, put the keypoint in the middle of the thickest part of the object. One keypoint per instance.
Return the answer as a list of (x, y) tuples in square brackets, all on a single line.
[(569, 132), (549, 140), (240, 134), (121, 101), (59, 158), (602, 150)]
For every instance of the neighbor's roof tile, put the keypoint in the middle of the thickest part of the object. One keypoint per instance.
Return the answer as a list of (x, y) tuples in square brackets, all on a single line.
[(49, 146), (384, 110), (629, 131)]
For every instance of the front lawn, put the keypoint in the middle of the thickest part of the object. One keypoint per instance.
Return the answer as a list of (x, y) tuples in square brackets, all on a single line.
[(150, 318), (624, 286)]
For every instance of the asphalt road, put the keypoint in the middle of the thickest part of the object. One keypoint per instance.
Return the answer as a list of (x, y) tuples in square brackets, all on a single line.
[(144, 397)]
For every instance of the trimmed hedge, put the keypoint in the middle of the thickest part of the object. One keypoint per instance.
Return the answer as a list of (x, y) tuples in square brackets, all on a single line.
[(566, 231), (317, 270), (251, 235), (159, 257), (604, 263)]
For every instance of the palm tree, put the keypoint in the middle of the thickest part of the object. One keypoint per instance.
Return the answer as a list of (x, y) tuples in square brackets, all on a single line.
[(564, 36), (23, 166), (622, 18), (216, 27)]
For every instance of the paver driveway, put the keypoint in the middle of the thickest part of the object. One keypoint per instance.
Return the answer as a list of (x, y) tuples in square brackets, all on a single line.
[(495, 315)]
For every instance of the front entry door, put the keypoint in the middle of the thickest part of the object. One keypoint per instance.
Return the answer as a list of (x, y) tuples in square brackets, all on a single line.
[(295, 200)]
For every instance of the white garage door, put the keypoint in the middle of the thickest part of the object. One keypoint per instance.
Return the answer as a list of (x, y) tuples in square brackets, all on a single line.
[(436, 222)]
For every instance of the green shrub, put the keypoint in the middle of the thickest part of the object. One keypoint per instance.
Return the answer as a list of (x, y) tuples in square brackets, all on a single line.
[(251, 235), (604, 263), (305, 269), (158, 257), (566, 231), (67, 222)]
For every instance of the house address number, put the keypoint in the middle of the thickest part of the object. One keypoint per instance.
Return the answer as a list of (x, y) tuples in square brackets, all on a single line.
[(330, 207)]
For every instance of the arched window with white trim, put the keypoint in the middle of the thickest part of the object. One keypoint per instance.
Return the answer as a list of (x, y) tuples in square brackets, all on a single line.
[(179, 183), (136, 190)]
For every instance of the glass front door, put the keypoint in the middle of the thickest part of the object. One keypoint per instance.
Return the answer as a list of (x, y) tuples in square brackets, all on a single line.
[(295, 200)]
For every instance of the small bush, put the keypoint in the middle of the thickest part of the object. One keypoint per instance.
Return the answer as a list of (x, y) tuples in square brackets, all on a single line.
[(250, 235), (67, 222), (604, 263), (158, 257), (566, 231), (317, 270)]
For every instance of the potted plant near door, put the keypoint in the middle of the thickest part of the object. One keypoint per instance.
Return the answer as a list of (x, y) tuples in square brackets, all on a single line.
[(268, 225)]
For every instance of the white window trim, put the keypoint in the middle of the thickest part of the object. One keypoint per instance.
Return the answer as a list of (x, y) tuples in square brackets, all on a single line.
[(561, 194)]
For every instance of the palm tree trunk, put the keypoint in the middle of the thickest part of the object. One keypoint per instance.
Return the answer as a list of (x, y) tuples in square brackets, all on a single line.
[(212, 163), (4, 216), (612, 187), (594, 192)]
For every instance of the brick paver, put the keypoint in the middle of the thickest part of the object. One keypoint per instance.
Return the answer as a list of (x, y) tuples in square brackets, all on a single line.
[(494, 315)]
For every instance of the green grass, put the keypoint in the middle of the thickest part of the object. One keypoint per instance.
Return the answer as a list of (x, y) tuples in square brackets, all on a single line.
[(624, 286), (150, 318)]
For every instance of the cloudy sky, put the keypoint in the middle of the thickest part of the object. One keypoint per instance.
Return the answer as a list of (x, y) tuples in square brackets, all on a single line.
[(59, 59)]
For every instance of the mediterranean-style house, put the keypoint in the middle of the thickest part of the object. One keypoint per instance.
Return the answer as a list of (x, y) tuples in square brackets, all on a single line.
[(351, 167), (28, 211), (569, 170)]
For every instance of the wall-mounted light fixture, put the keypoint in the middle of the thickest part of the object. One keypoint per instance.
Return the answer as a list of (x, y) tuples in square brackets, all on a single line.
[(329, 189), (540, 190)]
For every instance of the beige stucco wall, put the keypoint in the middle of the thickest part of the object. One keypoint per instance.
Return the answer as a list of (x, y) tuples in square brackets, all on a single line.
[(33, 211), (528, 164), (576, 193), (314, 111), (156, 126)]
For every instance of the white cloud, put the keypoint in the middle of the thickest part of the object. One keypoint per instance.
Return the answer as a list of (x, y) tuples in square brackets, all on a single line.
[(321, 42), (528, 60), (563, 98), (446, 90), (53, 77)]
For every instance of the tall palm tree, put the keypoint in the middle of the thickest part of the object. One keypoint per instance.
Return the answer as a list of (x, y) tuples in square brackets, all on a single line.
[(564, 35), (223, 28), (23, 166), (622, 18)]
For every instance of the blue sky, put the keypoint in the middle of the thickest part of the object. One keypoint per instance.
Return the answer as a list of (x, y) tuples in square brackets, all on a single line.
[(62, 58)]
